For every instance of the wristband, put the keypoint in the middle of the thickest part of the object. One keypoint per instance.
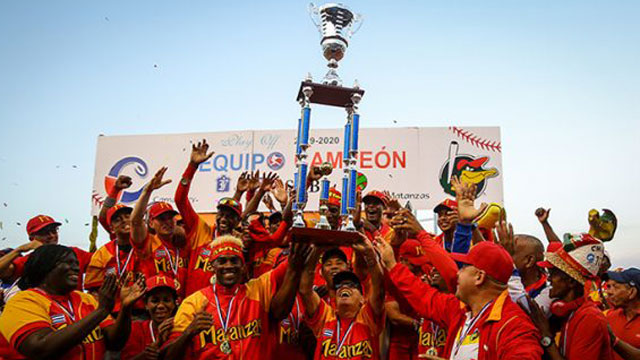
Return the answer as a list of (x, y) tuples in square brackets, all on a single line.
[(109, 202)]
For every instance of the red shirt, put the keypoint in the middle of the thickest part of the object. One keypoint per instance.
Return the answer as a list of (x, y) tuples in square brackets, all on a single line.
[(249, 328), (585, 335), (104, 262), (262, 242), (626, 330), (358, 336), (287, 342), (33, 309), (84, 257), (157, 257), (505, 331), (142, 335), (432, 339)]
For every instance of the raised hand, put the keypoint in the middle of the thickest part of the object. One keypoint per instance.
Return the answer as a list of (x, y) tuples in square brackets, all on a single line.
[(357, 215), (300, 253), (164, 330), (404, 220), (199, 152), (466, 196), (267, 181), (538, 318), (542, 214), (129, 294), (254, 180), (505, 236), (107, 292), (157, 182), (314, 175), (202, 320), (279, 192), (268, 202), (386, 254), (122, 182), (243, 182)]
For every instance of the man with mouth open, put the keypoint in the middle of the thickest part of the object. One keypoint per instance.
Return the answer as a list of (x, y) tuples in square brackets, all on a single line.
[(352, 329), (231, 319)]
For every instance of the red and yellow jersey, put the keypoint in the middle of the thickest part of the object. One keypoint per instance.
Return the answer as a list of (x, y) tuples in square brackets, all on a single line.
[(248, 331), (288, 335), (432, 339), (104, 262), (200, 267), (156, 257), (142, 335), (33, 309), (347, 338), (83, 259)]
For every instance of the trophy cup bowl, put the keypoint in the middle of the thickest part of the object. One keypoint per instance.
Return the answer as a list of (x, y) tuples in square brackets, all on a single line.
[(336, 24)]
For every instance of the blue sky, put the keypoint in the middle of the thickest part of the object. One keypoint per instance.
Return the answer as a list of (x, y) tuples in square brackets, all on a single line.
[(560, 78)]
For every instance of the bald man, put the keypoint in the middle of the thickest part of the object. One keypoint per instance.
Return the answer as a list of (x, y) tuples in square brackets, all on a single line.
[(528, 251)]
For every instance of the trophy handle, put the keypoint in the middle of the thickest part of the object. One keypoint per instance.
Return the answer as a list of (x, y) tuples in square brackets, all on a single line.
[(357, 24), (314, 13)]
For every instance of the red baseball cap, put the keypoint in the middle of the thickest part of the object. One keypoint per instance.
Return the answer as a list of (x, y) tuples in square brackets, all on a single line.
[(160, 208), (446, 204), (232, 204), (37, 223), (375, 194), (335, 197), (414, 253), (490, 258), (115, 209), (157, 281)]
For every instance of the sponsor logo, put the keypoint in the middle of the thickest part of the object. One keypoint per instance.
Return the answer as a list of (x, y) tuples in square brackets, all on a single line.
[(362, 349), (222, 183), (275, 160), (468, 168), (116, 170)]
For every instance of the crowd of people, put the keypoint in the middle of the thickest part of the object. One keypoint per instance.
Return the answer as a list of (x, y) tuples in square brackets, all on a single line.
[(170, 285)]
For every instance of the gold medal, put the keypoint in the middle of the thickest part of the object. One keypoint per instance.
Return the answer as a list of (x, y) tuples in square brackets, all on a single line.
[(432, 351), (225, 347)]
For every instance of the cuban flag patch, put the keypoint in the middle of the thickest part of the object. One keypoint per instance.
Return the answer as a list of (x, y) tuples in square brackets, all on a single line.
[(160, 253), (327, 332), (58, 319)]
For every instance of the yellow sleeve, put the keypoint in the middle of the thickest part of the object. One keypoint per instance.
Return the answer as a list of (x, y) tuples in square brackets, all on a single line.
[(187, 310), (202, 235), (95, 271), (261, 289), (25, 313), (366, 316)]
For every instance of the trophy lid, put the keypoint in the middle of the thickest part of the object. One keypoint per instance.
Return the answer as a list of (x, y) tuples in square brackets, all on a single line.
[(331, 95)]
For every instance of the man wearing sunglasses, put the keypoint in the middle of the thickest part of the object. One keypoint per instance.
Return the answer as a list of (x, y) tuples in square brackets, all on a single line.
[(199, 233), (42, 230), (350, 330)]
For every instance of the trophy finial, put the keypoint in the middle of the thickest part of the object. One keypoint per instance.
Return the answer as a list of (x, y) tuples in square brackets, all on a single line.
[(309, 78)]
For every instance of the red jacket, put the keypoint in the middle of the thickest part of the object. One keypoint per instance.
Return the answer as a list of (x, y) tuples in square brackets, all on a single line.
[(585, 335), (506, 332)]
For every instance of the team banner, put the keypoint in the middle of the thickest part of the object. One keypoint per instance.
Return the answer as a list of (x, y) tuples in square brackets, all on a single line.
[(414, 164)]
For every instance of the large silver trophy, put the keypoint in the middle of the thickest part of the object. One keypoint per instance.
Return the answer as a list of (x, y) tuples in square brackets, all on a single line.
[(336, 24)]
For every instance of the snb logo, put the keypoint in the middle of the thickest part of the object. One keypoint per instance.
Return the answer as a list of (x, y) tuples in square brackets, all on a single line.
[(141, 170), (275, 160)]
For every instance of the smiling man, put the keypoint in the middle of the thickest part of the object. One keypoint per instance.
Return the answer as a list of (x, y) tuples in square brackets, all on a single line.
[(42, 229), (232, 319), (199, 233), (351, 330)]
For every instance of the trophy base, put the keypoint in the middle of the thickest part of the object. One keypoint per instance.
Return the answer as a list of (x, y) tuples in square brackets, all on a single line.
[(331, 95), (324, 237)]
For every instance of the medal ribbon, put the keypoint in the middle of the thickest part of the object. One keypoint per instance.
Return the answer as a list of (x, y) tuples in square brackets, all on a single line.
[(153, 336), (126, 263), (471, 326), (346, 334), (296, 324), (172, 264), (69, 312), (225, 323), (566, 335)]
